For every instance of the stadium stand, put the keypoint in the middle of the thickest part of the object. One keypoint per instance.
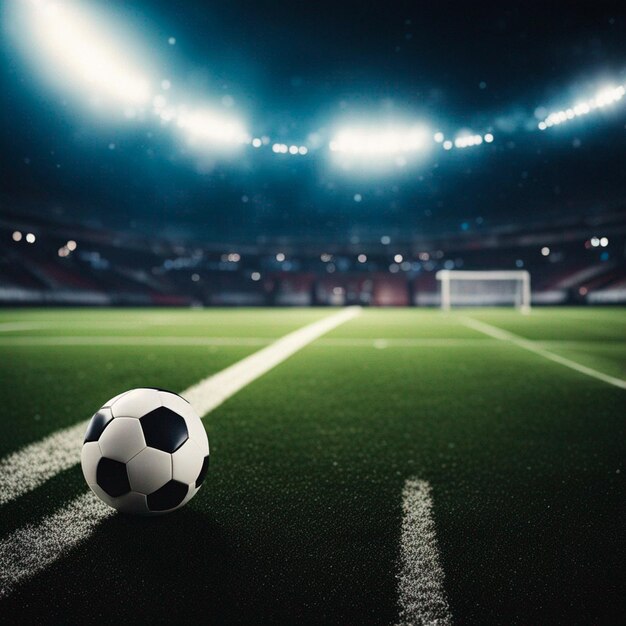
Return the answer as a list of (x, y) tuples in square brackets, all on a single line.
[(567, 265)]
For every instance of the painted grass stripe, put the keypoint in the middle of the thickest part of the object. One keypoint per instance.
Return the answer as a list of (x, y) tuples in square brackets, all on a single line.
[(421, 594), (504, 335), (29, 550)]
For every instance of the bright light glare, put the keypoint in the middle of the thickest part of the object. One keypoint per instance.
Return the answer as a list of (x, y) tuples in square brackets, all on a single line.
[(65, 37), (213, 127), (373, 142), (467, 141), (604, 98)]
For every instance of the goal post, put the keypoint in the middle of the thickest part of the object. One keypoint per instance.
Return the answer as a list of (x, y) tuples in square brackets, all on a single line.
[(485, 288)]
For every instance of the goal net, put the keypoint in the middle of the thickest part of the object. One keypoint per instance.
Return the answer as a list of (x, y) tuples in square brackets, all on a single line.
[(489, 288)]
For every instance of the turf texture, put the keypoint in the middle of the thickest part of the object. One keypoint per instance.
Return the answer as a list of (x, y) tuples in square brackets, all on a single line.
[(299, 519)]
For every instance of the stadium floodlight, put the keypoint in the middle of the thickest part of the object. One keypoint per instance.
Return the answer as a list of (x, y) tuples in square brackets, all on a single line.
[(376, 142), (211, 127), (65, 36), (605, 97), (485, 288)]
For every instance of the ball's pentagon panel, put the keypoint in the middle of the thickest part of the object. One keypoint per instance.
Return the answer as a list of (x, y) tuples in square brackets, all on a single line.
[(194, 424), (111, 476), (164, 429), (122, 439), (149, 470), (136, 403), (167, 497), (97, 424)]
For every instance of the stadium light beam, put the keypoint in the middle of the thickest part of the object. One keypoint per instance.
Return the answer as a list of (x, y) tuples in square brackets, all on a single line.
[(65, 37)]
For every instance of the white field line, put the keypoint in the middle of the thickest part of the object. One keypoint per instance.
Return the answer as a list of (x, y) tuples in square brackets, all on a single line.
[(106, 340), (380, 343), (31, 466), (421, 594), (28, 550), (31, 549), (504, 335)]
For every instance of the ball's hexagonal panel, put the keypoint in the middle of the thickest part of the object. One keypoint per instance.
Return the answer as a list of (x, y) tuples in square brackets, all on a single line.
[(197, 433), (136, 403), (174, 402), (132, 502), (122, 439), (203, 471), (167, 497), (90, 455), (111, 476), (114, 399), (164, 429), (165, 393), (187, 462), (97, 424), (149, 470)]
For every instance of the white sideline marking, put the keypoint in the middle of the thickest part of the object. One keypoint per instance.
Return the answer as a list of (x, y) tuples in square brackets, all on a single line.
[(27, 468), (422, 597), (30, 549), (504, 335)]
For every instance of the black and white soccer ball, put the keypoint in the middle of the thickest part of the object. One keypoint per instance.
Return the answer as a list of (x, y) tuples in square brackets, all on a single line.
[(145, 451)]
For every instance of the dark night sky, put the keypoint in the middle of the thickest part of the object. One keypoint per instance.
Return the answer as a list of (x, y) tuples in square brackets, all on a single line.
[(296, 67)]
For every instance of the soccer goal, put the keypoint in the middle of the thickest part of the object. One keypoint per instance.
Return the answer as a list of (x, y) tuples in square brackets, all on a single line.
[(489, 288)]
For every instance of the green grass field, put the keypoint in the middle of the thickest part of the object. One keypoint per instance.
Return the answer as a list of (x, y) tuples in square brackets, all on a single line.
[(299, 519)]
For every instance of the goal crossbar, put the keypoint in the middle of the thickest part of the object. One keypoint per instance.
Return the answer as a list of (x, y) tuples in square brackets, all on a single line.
[(521, 276)]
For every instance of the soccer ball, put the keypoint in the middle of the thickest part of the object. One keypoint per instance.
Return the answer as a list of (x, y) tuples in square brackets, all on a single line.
[(145, 451)]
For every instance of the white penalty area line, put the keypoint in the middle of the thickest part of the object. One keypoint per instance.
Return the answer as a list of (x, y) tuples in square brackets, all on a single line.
[(504, 335), (30, 549), (421, 593)]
